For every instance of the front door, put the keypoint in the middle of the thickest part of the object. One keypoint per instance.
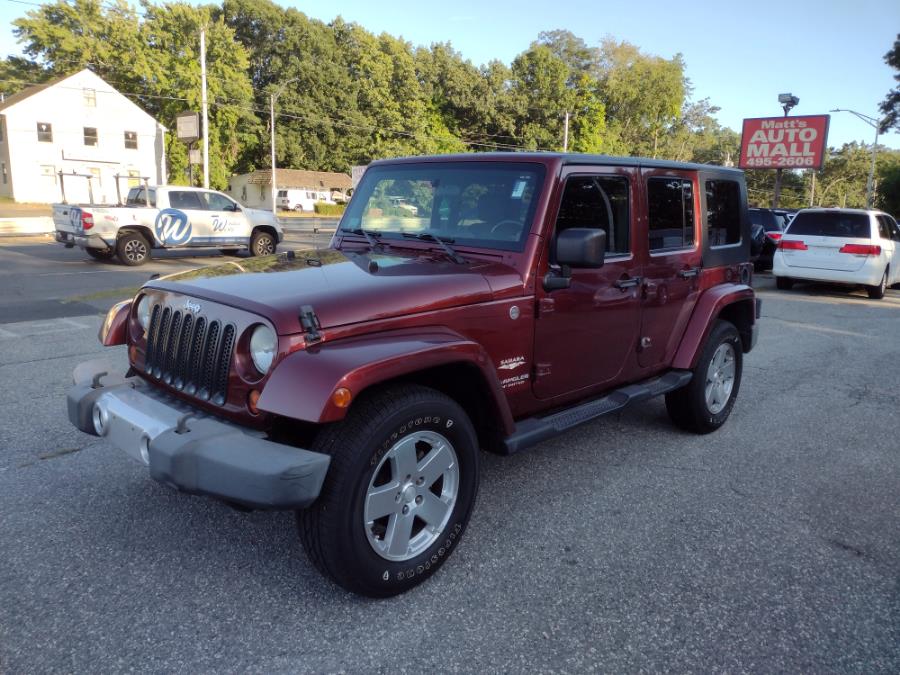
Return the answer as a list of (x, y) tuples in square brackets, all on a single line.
[(671, 273), (585, 335)]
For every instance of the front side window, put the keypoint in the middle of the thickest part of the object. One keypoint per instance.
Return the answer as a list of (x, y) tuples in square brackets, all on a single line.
[(90, 136), (186, 200), (723, 212), (45, 132), (131, 140), (599, 202), (481, 204), (670, 206), (219, 202)]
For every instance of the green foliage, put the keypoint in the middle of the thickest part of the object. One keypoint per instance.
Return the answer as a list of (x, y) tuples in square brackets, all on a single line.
[(890, 107), (346, 96), (324, 209)]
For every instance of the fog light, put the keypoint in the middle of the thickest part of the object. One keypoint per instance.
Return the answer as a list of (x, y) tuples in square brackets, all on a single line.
[(101, 419), (341, 397)]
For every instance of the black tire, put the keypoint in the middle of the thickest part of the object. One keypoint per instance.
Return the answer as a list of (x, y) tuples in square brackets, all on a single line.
[(132, 249), (333, 530), (688, 407), (877, 292), (101, 253), (784, 283), (262, 243)]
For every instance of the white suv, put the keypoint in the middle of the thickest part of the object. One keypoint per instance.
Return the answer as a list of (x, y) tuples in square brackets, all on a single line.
[(843, 246)]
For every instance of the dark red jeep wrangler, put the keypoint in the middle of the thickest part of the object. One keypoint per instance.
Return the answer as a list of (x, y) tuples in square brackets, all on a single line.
[(465, 302)]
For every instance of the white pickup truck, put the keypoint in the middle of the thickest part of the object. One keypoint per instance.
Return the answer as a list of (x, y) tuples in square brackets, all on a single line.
[(165, 217)]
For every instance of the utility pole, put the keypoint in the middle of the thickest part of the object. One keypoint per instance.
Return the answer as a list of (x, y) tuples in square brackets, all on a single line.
[(272, 146), (870, 181), (812, 190), (566, 134), (272, 98), (205, 107), (787, 102)]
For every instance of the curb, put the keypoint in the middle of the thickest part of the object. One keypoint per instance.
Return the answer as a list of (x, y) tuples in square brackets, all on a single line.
[(26, 226)]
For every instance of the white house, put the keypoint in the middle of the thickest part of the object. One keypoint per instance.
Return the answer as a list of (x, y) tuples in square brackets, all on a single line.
[(76, 124), (255, 189)]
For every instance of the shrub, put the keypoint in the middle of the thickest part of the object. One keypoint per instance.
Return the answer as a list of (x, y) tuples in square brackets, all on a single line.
[(324, 209)]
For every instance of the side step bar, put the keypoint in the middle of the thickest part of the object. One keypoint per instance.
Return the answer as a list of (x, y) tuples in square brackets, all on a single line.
[(534, 430)]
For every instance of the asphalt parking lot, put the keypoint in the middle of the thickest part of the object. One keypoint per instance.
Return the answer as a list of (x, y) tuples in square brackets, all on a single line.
[(625, 545)]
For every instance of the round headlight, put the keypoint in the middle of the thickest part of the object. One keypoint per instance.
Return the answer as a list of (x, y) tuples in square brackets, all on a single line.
[(262, 348), (143, 313)]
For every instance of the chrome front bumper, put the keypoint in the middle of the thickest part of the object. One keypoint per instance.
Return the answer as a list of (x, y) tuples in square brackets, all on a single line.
[(190, 450)]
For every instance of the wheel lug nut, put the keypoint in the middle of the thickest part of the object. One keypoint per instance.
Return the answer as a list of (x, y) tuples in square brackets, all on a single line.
[(420, 480), (418, 499), (405, 510)]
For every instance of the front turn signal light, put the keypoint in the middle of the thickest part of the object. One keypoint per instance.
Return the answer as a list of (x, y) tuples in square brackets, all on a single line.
[(341, 397)]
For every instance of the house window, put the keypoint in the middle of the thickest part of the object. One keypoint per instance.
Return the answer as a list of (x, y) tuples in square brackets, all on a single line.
[(90, 98), (45, 132), (134, 178), (670, 211), (48, 170), (131, 140), (90, 136), (95, 174), (3, 171)]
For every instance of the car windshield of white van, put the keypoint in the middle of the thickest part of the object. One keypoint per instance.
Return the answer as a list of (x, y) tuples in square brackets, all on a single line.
[(831, 224)]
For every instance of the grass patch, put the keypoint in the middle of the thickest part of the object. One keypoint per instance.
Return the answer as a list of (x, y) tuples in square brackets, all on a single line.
[(121, 293)]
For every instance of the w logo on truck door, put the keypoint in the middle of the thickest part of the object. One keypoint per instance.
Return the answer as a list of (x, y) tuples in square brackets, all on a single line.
[(172, 227)]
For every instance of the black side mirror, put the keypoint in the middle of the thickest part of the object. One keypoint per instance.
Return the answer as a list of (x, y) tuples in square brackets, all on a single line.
[(581, 247)]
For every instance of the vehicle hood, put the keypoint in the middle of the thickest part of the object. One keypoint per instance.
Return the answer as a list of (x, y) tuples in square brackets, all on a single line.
[(261, 217), (345, 287)]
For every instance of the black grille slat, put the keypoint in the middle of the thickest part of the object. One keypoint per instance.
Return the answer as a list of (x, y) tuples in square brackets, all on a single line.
[(210, 356), (219, 390), (171, 348), (194, 363), (183, 352), (189, 352)]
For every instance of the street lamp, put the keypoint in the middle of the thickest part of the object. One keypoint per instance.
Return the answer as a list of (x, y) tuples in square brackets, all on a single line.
[(272, 98), (787, 101), (870, 182)]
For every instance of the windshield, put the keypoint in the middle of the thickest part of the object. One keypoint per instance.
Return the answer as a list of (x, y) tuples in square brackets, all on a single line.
[(481, 204), (831, 224)]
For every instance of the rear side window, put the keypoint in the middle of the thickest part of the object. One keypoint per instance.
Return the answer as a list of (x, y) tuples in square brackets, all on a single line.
[(599, 202), (723, 212), (185, 200), (884, 227), (831, 224), (136, 197), (670, 203)]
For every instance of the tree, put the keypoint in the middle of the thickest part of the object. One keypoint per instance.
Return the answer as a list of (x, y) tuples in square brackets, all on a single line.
[(890, 107)]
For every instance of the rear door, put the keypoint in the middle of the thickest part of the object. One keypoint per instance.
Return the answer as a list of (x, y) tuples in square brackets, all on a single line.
[(822, 234), (186, 222), (887, 229), (671, 272)]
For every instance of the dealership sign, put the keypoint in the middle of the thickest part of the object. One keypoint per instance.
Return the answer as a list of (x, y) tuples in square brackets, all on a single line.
[(784, 142)]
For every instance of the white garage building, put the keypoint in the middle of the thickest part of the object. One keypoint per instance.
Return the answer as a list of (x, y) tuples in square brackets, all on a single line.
[(76, 124)]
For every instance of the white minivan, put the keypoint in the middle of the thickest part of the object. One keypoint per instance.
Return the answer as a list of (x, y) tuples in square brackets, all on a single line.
[(292, 199), (842, 246)]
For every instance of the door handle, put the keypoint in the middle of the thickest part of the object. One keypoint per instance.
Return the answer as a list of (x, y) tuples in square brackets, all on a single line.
[(627, 282), (689, 273)]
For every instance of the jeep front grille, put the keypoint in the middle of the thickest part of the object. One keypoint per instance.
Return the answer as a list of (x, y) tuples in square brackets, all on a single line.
[(191, 353)]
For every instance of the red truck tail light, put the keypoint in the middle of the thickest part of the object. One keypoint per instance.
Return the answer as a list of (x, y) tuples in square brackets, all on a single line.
[(775, 236), (87, 220), (792, 245), (861, 249)]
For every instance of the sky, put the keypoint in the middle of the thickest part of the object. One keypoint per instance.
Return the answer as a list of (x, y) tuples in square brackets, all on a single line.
[(740, 55)]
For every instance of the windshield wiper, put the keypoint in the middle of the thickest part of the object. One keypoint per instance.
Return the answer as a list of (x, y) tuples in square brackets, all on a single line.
[(443, 242), (371, 236)]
